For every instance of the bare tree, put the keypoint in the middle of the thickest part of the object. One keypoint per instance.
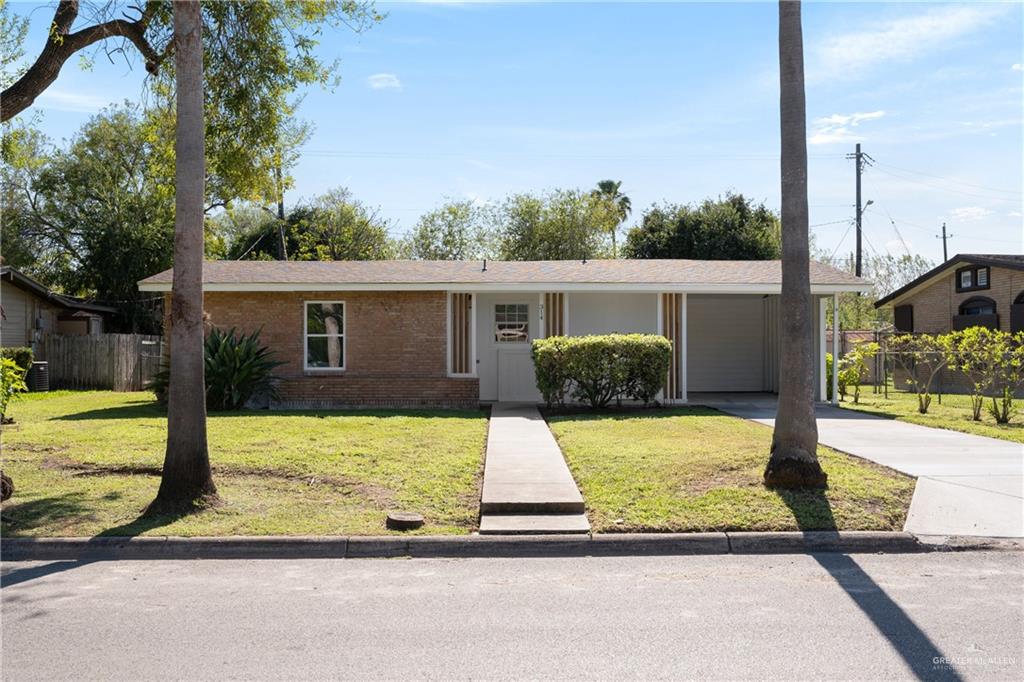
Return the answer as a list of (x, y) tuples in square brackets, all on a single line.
[(187, 478), (794, 462)]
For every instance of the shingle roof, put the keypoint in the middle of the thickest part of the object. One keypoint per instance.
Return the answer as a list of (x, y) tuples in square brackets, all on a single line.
[(23, 281), (669, 272), (999, 260)]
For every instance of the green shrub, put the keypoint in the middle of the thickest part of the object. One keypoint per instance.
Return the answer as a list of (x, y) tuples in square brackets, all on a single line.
[(599, 369), (12, 380), (237, 368), (853, 368), (22, 356), (922, 357)]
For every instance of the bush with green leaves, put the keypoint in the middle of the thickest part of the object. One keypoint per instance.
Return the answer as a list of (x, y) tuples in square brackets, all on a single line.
[(12, 380), (22, 356), (922, 357), (599, 369), (237, 368), (970, 354), (840, 380), (1002, 355), (853, 368)]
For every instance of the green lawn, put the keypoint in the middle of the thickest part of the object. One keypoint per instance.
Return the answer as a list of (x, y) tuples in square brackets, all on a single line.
[(87, 463), (697, 469), (953, 413)]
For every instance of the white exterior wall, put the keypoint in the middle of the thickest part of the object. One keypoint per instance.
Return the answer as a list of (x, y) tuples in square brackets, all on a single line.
[(733, 340), (17, 318), (487, 348), (612, 314), (725, 343), (21, 311)]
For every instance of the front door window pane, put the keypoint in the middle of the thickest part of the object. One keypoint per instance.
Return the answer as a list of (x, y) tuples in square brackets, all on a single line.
[(511, 323)]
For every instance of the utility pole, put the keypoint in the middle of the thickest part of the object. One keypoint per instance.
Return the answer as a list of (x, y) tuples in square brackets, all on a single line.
[(861, 160), (860, 166), (944, 237), (282, 247)]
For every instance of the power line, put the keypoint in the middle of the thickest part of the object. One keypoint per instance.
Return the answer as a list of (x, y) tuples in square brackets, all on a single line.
[(896, 229), (947, 189), (950, 180), (841, 240), (372, 154)]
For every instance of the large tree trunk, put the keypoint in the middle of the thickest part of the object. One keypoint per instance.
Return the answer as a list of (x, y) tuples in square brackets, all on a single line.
[(186, 476), (794, 462)]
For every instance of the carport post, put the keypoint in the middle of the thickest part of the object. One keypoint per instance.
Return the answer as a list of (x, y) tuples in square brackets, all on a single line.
[(683, 364), (835, 348), (822, 349)]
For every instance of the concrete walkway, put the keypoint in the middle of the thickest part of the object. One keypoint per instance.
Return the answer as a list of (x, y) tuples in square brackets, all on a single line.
[(527, 485), (967, 484)]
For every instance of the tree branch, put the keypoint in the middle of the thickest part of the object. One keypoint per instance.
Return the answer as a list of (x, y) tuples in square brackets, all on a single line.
[(61, 45)]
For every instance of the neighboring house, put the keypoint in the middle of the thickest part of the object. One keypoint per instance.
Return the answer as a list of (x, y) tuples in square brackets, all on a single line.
[(28, 311), (967, 290), (458, 333)]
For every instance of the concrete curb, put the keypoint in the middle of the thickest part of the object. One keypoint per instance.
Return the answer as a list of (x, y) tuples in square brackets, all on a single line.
[(484, 546)]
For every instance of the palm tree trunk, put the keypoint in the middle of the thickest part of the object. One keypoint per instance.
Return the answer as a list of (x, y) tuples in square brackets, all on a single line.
[(186, 476), (793, 462)]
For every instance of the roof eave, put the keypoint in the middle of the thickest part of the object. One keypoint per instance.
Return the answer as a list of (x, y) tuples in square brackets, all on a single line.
[(483, 287), (940, 271)]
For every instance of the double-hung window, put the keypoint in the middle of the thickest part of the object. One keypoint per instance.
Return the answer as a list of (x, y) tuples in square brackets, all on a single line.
[(324, 337)]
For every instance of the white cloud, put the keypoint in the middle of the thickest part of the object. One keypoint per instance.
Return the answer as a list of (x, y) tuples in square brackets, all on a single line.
[(62, 100), (967, 213), (384, 81), (1015, 214), (838, 127), (903, 39), (1018, 67)]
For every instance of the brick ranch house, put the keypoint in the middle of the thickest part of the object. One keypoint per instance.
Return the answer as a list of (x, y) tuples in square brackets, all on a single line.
[(967, 290), (457, 333)]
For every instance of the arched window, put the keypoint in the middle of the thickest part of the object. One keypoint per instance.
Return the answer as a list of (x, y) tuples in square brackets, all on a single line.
[(978, 305), (977, 311), (1017, 314)]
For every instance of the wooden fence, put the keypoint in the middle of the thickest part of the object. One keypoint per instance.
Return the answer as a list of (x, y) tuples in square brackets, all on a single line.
[(119, 362)]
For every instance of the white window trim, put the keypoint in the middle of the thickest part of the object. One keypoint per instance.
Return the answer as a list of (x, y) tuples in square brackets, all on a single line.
[(494, 327), (343, 335)]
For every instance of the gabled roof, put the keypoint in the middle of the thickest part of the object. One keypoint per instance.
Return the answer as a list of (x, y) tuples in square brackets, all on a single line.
[(26, 283), (620, 274), (997, 260)]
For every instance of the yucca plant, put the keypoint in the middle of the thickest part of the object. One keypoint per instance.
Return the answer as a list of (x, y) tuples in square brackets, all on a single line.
[(237, 368)]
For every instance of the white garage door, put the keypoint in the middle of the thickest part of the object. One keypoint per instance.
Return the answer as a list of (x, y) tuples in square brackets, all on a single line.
[(725, 343)]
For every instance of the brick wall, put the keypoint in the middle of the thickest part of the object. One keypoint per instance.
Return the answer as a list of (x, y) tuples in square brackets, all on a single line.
[(935, 305), (395, 347)]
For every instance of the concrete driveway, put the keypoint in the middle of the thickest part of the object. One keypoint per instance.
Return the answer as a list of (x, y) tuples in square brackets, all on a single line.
[(967, 485)]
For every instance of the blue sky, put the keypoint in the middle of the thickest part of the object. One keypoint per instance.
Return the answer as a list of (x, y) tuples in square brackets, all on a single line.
[(677, 100)]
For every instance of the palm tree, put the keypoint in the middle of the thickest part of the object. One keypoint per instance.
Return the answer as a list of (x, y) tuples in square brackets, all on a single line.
[(186, 478), (609, 190), (794, 462)]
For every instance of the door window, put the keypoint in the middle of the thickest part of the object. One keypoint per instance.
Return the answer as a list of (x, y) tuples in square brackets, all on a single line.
[(511, 323)]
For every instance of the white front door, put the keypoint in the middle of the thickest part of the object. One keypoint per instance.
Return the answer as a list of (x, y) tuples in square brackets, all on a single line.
[(516, 380)]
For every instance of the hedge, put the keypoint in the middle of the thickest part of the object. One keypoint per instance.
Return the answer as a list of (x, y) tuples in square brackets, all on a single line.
[(22, 356), (599, 369)]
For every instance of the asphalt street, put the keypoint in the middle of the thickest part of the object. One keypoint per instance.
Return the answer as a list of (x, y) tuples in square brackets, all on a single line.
[(827, 616)]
